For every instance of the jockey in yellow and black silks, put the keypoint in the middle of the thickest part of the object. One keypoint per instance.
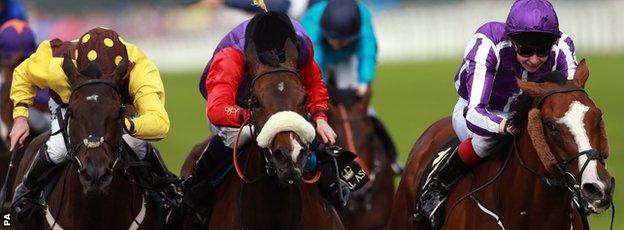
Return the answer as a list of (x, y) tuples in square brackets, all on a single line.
[(144, 92)]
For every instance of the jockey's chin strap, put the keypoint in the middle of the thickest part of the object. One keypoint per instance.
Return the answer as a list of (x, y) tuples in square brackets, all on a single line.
[(567, 179)]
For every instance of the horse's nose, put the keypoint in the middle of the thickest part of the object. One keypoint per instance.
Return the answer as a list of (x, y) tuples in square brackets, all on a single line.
[(282, 154), (95, 173), (592, 191)]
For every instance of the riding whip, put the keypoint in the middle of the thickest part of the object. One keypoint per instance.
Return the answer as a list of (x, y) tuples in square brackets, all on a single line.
[(3, 191)]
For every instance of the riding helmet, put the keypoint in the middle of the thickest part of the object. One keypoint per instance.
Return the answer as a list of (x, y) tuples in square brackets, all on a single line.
[(341, 20), (16, 36)]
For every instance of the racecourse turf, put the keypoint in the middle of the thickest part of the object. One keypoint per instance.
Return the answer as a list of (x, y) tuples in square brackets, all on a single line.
[(408, 97)]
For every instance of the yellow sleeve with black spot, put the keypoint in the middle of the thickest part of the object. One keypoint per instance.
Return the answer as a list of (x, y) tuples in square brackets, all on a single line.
[(148, 93), (29, 75)]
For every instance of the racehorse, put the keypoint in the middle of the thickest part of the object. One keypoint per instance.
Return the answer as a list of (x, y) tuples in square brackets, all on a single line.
[(553, 173), (369, 207), (96, 189), (267, 191)]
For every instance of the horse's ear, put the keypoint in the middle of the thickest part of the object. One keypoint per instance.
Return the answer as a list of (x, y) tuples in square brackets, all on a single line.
[(251, 55), (120, 72), (582, 73), (533, 89), (292, 54), (71, 71)]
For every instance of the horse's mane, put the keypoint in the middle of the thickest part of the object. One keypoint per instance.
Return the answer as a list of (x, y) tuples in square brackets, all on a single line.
[(524, 102)]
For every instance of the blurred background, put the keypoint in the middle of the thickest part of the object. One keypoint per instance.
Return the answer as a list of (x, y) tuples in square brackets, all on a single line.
[(421, 43)]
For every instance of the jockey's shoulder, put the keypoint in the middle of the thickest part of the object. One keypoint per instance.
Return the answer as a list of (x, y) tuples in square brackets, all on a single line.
[(494, 31)]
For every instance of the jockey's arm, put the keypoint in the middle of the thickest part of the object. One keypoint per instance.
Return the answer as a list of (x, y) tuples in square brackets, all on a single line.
[(367, 48), (27, 76), (479, 119), (224, 78), (566, 59), (147, 91), (315, 88)]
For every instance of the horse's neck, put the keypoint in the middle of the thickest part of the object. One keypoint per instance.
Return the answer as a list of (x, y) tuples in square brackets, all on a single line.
[(72, 209), (550, 202), (265, 202)]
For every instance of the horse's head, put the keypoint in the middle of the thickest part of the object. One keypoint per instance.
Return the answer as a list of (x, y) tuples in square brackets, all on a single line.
[(278, 107), (569, 135), (95, 122)]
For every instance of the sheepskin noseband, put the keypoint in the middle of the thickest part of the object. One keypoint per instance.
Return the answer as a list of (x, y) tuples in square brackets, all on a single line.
[(285, 121)]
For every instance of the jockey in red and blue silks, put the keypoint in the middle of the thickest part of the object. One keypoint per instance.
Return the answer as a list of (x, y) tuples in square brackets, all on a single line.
[(344, 38), (527, 45), (225, 83)]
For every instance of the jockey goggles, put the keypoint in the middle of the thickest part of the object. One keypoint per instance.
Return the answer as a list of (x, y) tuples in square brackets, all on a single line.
[(528, 51)]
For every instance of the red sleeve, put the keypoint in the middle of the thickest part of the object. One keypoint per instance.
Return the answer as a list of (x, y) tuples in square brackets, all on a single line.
[(224, 76), (313, 82)]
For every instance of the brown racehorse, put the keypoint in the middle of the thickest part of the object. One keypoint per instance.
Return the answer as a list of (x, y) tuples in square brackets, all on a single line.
[(369, 207), (558, 155), (95, 190), (272, 195)]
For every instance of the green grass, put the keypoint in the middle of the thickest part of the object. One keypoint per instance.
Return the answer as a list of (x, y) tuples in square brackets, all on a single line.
[(408, 97)]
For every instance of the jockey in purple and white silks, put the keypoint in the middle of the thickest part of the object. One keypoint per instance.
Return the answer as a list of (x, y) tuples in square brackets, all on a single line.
[(527, 45)]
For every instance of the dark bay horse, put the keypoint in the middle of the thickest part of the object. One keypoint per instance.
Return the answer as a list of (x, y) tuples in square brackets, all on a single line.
[(369, 207), (95, 190), (555, 162), (271, 194)]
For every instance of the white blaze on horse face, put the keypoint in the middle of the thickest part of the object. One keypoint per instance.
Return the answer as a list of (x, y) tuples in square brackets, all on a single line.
[(296, 148), (573, 119), (280, 86), (93, 97)]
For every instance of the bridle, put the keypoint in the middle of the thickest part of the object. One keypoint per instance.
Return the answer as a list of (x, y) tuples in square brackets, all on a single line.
[(72, 150), (567, 179)]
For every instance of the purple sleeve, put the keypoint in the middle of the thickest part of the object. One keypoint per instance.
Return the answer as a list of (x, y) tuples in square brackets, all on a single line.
[(483, 62), (566, 58)]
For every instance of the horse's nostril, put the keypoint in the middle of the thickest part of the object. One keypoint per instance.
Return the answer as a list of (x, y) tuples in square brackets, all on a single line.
[(592, 191)]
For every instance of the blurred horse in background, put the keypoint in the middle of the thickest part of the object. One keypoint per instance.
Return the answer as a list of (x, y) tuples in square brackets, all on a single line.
[(369, 207)]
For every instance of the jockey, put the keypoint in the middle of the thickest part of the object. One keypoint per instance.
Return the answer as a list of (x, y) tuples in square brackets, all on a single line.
[(145, 93), (225, 83), (17, 42), (528, 45), (346, 51)]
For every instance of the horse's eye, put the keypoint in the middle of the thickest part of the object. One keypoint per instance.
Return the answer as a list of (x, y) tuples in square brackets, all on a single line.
[(551, 126)]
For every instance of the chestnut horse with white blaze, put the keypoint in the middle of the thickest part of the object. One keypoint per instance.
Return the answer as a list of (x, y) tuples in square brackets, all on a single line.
[(552, 177)]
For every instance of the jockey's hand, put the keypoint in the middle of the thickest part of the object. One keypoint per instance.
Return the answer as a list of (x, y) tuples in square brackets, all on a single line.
[(325, 131), (507, 129), (362, 89), (19, 132)]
